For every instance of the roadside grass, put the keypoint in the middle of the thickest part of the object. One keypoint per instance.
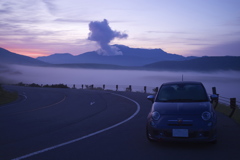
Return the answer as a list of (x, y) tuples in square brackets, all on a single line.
[(7, 97), (225, 109)]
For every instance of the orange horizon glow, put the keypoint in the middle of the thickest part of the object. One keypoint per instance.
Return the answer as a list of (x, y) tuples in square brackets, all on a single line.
[(33, 53)]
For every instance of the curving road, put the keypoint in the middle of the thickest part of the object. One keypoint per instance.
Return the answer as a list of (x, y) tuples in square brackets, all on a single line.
[(84, 124)]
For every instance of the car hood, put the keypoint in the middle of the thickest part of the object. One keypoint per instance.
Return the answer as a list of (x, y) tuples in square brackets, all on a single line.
[(181, 108)]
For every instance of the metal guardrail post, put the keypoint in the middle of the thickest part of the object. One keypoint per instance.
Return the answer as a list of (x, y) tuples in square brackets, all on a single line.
[(233, 106), (155, 90), (145, 89), (215, 100), (214, 90), (129, 88)]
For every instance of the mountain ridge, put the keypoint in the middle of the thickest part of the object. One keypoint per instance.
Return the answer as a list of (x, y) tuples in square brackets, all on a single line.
[(214, 63), (129, 57), (8, 57), (205, 63)]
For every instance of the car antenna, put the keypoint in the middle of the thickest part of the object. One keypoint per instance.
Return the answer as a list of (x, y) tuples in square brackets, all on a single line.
[(182, 77)]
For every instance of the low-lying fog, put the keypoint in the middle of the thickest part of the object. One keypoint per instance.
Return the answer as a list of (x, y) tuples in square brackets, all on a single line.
[(227, 82)]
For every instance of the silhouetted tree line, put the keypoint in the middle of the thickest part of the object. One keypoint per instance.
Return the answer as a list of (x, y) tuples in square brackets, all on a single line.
[(56, 86), (45, 86)]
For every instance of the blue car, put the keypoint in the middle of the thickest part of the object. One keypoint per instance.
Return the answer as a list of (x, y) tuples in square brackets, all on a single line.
[(182, 111)]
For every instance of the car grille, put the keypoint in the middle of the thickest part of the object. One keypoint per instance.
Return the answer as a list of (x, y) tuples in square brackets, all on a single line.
[(180, 122)]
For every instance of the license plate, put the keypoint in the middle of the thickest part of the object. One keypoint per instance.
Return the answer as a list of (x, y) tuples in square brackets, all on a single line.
[(180, 132)]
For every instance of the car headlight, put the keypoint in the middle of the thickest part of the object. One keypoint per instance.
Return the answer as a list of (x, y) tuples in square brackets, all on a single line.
[(206, 116), (155, 115)]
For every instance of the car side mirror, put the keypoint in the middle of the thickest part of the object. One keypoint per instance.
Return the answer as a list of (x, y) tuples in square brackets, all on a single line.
[(151, 98), (213, 97)]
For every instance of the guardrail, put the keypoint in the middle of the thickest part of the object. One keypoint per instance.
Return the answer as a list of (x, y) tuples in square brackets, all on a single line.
[(128, 88), (232, 103)]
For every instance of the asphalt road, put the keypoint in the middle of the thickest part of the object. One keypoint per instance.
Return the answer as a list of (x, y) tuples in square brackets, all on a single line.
[(49, 124)]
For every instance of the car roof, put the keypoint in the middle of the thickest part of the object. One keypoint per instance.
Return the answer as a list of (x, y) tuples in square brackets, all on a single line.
[(182, 82)]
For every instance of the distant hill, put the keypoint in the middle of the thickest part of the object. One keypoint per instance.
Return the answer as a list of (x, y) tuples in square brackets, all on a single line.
[(130, 57), (198, 64), (177, 63), (7, 57), (94, 66)]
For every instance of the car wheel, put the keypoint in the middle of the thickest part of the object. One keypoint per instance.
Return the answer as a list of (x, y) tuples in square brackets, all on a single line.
[(213, 141), (149, 137)]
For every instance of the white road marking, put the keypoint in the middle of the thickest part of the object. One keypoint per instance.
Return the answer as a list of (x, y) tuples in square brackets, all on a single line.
[(92, 103), (50, 105), (86, 136)]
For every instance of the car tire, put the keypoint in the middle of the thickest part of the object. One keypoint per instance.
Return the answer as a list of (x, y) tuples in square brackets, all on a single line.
[(213, 141), (148, 137)]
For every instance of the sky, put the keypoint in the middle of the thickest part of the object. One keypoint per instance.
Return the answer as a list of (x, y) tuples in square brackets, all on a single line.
[(185, 27)]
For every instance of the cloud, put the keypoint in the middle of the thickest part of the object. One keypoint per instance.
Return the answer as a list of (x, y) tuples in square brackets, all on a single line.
[(66, 20), (103, 35), (234, 22), (5, 9), (168, 32), (51, 7)]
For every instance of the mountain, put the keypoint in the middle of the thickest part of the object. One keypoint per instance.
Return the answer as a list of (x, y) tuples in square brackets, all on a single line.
[(129, 57), (95, 66), (198, 64), (177, 63), (7, 57)]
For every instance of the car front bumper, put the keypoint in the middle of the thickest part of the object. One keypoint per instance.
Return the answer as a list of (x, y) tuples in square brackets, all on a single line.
[(197, 135)]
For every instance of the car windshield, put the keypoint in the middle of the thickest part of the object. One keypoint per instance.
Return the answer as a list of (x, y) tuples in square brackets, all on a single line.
[(182, 93)]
